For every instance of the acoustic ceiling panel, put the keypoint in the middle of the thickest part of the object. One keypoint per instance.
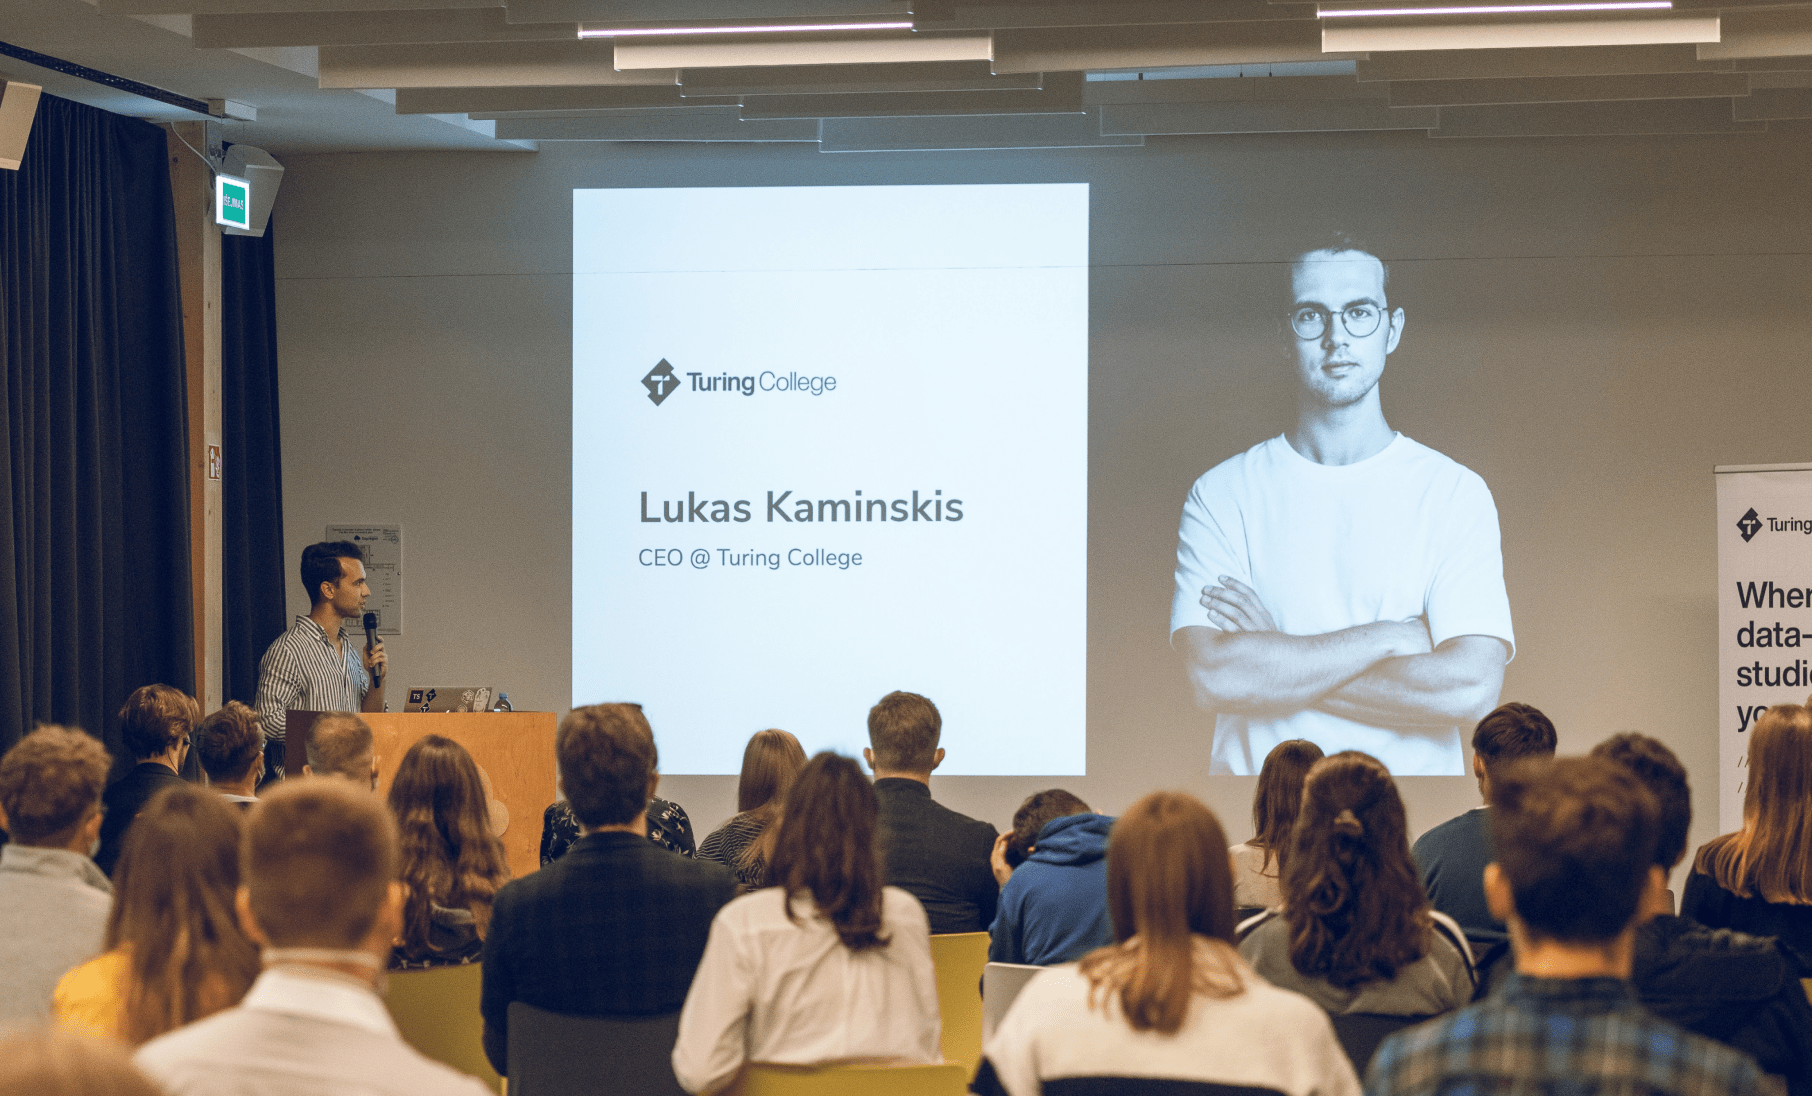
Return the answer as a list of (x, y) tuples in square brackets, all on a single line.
[(1566, 89), (1012, 16), (1186, 44), (949, 134), (853, 79), (693, 124), (1674, 116), (232, 7), (762, 50), (1769, 104), (673, 11), (1224, 90), (1521, 63), (1339, 115), (505, 100), (916, 104), (351, 28), (1783, 33), (1369, 36), (493, 64)]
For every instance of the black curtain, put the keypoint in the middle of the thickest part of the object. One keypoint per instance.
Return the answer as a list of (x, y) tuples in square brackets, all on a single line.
[(251, 478), (94, 574)]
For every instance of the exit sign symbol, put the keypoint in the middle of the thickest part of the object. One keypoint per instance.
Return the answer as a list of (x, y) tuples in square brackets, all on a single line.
[(232, 202)]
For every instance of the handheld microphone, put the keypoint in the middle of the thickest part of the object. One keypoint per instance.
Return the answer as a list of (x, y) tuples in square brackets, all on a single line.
[(377, 676)]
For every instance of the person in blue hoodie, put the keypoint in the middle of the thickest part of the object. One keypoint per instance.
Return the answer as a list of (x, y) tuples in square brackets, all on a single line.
[(1053, 873)]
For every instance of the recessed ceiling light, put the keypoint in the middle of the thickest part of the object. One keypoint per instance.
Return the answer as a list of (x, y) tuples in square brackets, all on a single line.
[(1500, 9)]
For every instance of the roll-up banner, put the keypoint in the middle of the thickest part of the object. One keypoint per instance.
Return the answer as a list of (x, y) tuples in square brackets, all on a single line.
[(1764, 609)]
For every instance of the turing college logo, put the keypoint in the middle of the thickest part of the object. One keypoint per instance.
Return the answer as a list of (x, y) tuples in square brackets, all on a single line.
[(661, 383), (1749, 524)]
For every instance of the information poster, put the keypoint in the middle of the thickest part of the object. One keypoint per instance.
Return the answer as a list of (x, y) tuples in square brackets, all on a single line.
[(1764, 610), (383, 548)]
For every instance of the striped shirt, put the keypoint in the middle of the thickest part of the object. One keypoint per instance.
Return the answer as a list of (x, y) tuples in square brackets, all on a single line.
[(303, 673), (1573, 1036)]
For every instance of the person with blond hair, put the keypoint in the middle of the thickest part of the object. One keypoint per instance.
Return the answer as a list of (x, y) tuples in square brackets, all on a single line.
[(1258, 863), (1170, 1005), (53, 899), (155, 725), (1758, 880), (452, 863), (175, 950), (770, 763), (826, 965)]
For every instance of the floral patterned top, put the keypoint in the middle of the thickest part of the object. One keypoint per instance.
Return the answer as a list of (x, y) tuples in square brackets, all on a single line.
[(668, 826)]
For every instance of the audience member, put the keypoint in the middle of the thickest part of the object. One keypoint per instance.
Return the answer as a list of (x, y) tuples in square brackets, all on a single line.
[(175, 951), (1453, 855), (668, 827), (1169, 1007), (1258, 864), (827, 965), (1355, 933), (155, 726), (770, 762), (53, 899), (1743, 991), (617, 925), (452, 863), (230, 746), (55, 1062), (318, 891), (1759, 879), (938, 856), (340, 744), (1575, 842), (1052, 868)]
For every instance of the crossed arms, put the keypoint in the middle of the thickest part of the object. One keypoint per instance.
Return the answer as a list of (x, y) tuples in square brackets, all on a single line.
[(1386, 673)]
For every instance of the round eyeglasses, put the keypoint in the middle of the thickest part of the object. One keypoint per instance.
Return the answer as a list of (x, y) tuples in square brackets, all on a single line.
[(1359, 320)]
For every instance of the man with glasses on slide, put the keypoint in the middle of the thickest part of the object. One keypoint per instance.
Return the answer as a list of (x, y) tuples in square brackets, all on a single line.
[(1341, 583)]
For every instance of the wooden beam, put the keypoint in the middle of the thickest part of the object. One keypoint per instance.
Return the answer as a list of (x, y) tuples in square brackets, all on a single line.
[(198, 259)]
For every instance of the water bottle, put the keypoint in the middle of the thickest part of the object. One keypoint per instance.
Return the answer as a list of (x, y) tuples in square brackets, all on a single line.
[(503, 703)]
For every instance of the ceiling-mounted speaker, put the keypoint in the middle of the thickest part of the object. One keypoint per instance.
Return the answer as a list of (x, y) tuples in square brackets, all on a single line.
[(18, 106), (262, 175)]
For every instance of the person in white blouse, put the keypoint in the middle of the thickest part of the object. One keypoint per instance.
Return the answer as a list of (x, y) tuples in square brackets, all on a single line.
[(828, 966)]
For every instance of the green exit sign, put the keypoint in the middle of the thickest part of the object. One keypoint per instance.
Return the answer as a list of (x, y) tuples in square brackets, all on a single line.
[(232, 202)]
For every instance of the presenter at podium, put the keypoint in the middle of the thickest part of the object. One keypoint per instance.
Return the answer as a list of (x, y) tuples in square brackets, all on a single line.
[(315, 666), (1340, 582)]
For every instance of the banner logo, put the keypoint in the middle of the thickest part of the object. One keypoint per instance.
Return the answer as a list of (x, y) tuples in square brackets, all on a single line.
[(1749, 524), (661, 383)]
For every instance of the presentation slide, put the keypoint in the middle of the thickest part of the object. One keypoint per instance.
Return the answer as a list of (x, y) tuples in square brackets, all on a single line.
[(829, 442)]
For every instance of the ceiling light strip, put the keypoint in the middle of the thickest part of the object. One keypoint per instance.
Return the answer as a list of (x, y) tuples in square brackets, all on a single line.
[(770, 28), (1499, 9)]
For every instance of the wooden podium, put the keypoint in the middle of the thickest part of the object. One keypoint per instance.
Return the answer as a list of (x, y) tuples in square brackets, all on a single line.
[(514, 751)]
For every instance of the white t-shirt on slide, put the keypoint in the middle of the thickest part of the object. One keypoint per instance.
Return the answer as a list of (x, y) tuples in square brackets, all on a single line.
[(1404, 533)]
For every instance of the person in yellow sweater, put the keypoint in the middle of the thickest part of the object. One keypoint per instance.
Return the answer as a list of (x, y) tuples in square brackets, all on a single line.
[(174, 949)]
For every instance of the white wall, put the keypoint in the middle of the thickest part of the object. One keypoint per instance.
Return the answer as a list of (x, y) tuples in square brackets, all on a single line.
[(1593, 325)]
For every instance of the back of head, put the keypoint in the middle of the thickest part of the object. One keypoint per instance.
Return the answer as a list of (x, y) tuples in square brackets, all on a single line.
[(1169, 883), (1038, 811), (770, 762), (50, 783), (607, 760), (321, 563), (340, 744), (56, 1061), (825, 847), (1665, 778), (318, 859), (1512, 732), (903, 730), (449, 856), (1575, 838), (228, 743), (1356, 909), (155, 718), (1279, 794), (173, 906), (1771, 855)]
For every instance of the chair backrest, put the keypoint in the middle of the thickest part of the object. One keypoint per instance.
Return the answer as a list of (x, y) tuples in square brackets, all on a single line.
[(436, 1011), (941, 1079), (553, 1054), (959, 958), (1360, 1034), (1001, 982)]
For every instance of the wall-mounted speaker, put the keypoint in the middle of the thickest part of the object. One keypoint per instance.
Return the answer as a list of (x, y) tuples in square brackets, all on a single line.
[(18, 106), (263, 174)]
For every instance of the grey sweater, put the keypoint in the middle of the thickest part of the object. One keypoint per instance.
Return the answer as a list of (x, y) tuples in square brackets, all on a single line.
[(54, 903), (1439, 982)]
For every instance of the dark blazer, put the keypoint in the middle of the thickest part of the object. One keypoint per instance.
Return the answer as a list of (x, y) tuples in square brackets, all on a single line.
[(124, 798), (938, 856), (616, 927)]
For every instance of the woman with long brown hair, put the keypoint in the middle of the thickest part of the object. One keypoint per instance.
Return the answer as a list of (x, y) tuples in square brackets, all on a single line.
[(1170, 1000), (827, 964), (174, 949), (745, 844), (1258, 864), (451, 861), (1758, 880), (1355, 933)]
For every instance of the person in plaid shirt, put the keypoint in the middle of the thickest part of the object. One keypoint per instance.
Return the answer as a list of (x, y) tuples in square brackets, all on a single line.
[(1575, 841)]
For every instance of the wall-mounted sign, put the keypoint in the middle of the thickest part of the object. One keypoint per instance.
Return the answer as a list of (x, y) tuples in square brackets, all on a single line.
[(383, 548), (232, 201)]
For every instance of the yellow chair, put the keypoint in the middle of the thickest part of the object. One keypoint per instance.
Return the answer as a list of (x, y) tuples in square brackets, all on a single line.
[(942, 1079), (959, 958), (436, 1011)]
